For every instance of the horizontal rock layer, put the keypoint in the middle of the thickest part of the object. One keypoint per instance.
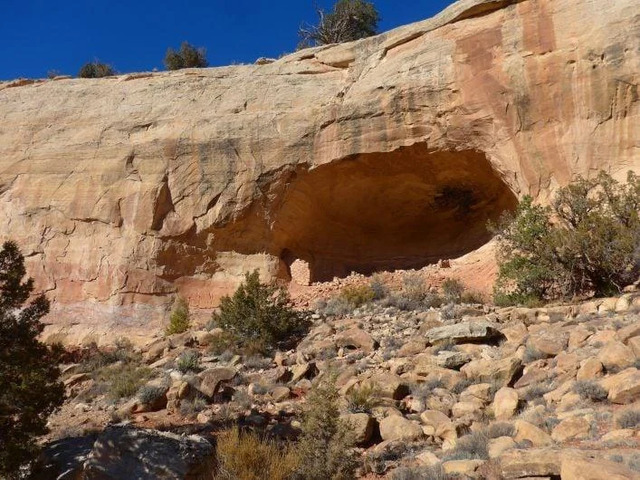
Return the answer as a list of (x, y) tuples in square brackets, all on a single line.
[(383, 153)]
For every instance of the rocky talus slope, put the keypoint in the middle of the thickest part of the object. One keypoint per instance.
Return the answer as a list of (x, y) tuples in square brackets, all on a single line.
[(484, 393), (123, 191)]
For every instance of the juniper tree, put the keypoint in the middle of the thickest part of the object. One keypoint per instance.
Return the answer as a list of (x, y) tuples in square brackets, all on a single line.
[(30, 389)]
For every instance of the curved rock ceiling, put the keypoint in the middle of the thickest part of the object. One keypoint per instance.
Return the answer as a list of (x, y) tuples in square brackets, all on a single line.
[(397, 210)]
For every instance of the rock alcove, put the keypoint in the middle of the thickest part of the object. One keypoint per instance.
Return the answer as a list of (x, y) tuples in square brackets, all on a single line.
[(387, 211)]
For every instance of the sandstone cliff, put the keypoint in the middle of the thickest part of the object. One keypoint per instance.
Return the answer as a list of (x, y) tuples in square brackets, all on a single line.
[(388, 152)]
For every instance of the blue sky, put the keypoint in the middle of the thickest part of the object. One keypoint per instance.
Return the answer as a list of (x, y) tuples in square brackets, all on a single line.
[(37, 36)]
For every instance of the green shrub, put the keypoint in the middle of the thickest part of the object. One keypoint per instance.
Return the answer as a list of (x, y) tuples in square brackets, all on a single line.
[(414, 295), (96, 70), (123, 381), (414, 287), (378, 287), (259, 317), (325, 445), (150, 394), (501, 429), (29, 374), (188, 361), (357, 295), (187, 57), (246, 456), (532, 354), (629, 419), (363, 399), (471, 297), (585, 243), (590, 390), (190, 407), (179, 318), (222, 344), (462, 385), (452, 290), (470, 447), (96, 359), (334, 307)]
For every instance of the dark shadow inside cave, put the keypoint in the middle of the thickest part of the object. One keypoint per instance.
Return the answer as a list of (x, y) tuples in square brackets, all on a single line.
[(387, 211)]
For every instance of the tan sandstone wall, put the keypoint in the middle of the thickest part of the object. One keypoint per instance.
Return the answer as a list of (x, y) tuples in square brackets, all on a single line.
[(122, 191)]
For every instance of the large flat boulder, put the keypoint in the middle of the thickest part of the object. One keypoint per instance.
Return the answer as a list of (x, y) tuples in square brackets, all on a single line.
[(584, 466), (530, 463), (502, 371), (623, 387), (465, 332), (124, 452)]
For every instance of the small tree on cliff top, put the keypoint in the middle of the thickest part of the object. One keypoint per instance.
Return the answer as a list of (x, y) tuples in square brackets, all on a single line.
[(350, 20), (96, 69), (187, 57), (29, 386)]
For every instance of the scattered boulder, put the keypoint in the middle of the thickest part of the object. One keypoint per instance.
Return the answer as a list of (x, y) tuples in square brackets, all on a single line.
[(212, 379), (502, 372), (625, 333), (63, 459), (303, 370), (618, 435), (515, 332), (526, 431), (479, 391), (76, 379), (280, 393), (156, 350), (582, 466), (356, 338), (530, 463), (616, 356), (549, 343), (467, 409), (590, 369), (578, 336), (441, 425), (152, 397), (396, 427), (465, 332), (388, 385), (624, 387), (572, 428), (498, 446), (505, 403), (427, 458), (461, 467), (533, 374), (634, 345), (362, 425), (451, 360), (425, 369)]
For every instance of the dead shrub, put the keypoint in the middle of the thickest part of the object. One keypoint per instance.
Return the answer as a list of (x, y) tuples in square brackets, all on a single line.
[(245, 456)]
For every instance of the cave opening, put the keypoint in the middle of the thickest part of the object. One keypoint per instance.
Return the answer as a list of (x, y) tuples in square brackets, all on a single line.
[(387, 211)]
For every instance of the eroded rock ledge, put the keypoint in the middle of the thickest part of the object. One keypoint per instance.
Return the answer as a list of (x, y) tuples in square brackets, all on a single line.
[(387, 152)]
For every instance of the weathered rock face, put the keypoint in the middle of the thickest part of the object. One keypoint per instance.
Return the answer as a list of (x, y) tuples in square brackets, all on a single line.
[(383, 153)]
